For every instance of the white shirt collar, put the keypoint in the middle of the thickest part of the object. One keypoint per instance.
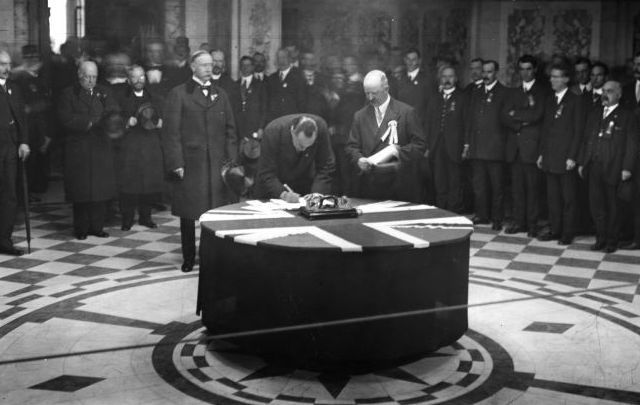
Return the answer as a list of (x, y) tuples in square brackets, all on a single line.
[(478, 82), (246, 80), (413, 73), (216, 77), (259, 75), (3, 82), (528, 85), (195, 79), (585, 87), (490, 86), (608, 110), (284, 72), (560, 94), (138, 93), (598, 91), (449, 91), (383, 107)]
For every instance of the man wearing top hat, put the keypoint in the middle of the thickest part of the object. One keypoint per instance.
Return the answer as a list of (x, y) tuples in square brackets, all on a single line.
[(138, 152), (198, 137)]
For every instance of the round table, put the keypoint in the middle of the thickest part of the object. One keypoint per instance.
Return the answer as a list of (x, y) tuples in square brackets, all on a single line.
[(264, 268)]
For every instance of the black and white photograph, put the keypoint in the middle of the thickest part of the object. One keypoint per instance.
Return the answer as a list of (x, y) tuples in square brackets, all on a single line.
[(319, 202)]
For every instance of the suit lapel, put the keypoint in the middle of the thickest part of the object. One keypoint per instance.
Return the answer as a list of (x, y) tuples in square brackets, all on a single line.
[(390, 114)]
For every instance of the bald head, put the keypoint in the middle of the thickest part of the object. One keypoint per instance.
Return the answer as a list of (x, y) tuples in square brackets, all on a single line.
[(5, 64), (376, 87), (88, 75), (611, 93)]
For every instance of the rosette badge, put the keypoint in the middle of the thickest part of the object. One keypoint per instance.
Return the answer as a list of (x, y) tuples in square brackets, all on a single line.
[(391, 134)]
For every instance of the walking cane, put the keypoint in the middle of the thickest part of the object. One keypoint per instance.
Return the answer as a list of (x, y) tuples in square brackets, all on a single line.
[(25, 191)]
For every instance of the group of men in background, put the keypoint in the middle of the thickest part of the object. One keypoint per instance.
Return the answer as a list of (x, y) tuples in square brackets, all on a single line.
[(552, 157)]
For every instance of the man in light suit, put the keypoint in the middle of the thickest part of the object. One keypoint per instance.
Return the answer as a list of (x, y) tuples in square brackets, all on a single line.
[(386, 124), (198, 136)]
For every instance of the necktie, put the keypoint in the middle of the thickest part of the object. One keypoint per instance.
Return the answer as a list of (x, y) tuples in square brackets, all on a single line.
[(557, 99), (282, 76), (378, 116), (244, 83), (446, 96), (605, 112), (205, 89)]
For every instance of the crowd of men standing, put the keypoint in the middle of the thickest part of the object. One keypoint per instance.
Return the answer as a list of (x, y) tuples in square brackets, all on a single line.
[(553, 157)]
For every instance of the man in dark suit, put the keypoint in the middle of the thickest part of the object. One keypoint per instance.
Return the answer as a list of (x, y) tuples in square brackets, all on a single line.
[(315, 87), (285, 88), (13, 146), (198, 136), (525, 112), (582, 76), (296, 158), (385, 143), (415, 86), (593, 97), (608, 157), (260, 64), (88, 155), (631, 92), (475, 76), (634, 244), (562, 131), (220, 77), (485, 146), (252, 114), (159, 75), (139, 153), (446, 119)]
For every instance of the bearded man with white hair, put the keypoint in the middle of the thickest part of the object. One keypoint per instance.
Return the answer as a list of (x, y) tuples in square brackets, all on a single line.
[(385, 143)]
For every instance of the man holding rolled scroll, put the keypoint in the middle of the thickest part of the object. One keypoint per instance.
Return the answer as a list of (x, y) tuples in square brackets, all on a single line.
[(385, 143)]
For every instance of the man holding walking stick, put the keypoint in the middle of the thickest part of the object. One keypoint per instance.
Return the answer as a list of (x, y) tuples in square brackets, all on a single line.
[(13, 146)]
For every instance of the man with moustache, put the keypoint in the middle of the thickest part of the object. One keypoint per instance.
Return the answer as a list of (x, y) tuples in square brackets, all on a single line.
[(198, 136), (446, 120), (562, 131), (13, 146), (599, 75), (475, 75), (285, 88), (296, 158), (316, 94), (158, 74), (391, 128), (260, 64), (220, 77), (138, 152), (607, 157), (525, 112), (89, 172), (485, 146)]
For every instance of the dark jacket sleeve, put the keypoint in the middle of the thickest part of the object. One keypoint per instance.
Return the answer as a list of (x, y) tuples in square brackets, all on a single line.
[(231, 143), (268, 164), (416, 146), (171, 143), (353, 148), (21, 116), (631, 146), (578, 129), (325, 164)]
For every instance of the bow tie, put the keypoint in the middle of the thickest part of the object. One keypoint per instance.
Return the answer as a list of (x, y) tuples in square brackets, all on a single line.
[(205, 88)]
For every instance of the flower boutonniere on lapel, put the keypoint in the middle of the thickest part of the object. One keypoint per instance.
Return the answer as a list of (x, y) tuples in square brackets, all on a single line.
[(608, 132), (9, 91), (213, 97), (559, 110), (391, 133), (452, 108), (415, 82)]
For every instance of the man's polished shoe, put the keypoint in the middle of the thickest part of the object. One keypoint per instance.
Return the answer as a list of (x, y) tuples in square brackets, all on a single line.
[(99, 234), (630, 246), (610, 248), (565, 240), (149, 224), (598, 246), (511, 229), (496, 226), (11, 250), (547, 236), (187, 266), (480, 221)]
